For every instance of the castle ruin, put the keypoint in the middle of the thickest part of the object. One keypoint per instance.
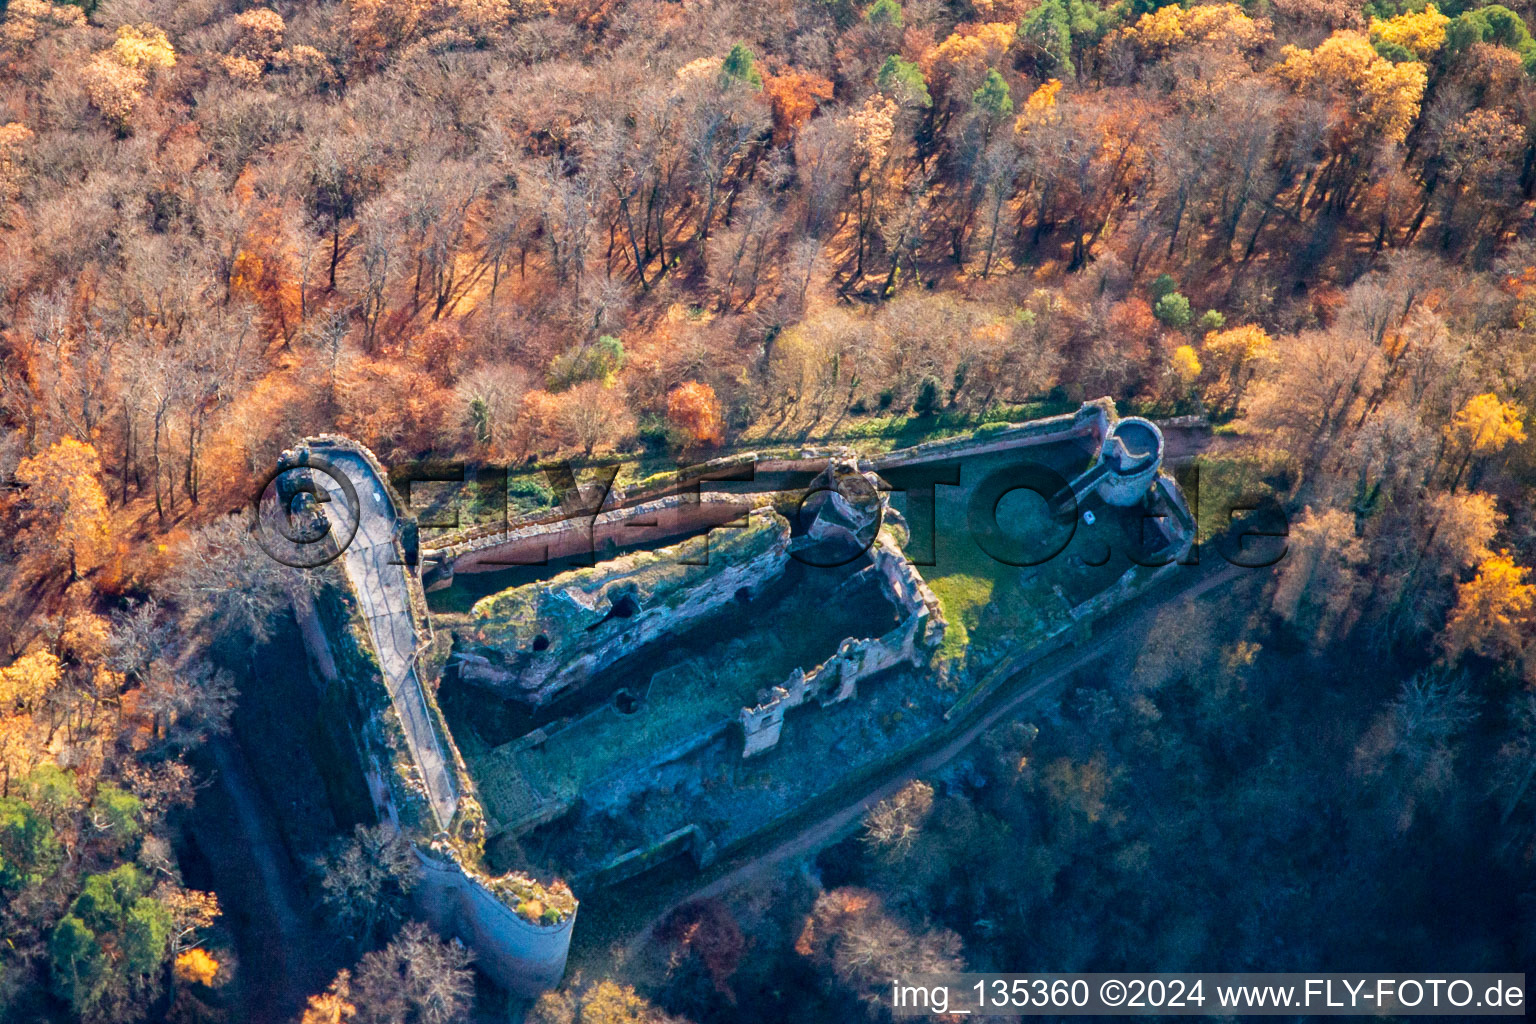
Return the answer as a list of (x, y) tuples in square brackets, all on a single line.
[(737, 618)]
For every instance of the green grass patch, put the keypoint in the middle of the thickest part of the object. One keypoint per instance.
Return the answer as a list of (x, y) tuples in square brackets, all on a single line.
[(1228, 482), (961, 596)]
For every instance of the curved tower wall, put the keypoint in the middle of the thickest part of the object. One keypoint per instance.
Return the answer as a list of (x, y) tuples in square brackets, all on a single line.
[(522, 957), (1128, 486)]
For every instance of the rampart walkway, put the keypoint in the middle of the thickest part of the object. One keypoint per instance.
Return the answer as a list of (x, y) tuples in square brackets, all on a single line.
[(372, 563)]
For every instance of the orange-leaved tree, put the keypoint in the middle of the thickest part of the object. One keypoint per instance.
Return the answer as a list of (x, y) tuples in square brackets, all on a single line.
[(65, 506), (693, 409)]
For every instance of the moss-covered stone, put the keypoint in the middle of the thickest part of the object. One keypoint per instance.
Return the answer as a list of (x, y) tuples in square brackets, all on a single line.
[(540, 639)]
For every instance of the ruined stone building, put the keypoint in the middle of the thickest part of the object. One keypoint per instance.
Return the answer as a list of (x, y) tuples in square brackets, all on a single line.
[(524, 716)]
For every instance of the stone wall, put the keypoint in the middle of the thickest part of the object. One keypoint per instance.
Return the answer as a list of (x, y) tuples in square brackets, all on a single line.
[(836, 679), (522, 957), (539, 640), (580, 535), (1091, 420), (686, 483), (678, 504), (689, 839)]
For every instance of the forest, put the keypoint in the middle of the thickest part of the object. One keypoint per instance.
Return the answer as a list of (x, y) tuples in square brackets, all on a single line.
[(654, 231)]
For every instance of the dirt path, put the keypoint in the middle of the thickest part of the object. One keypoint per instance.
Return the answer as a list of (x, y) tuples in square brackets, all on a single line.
[(834, 826)]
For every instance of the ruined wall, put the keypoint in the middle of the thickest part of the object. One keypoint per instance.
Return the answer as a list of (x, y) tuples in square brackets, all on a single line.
[(679, 504), (836, 679), (1091, 420), (521, 955), (587, 534), (686, 484), (689, 839), (536, 641)]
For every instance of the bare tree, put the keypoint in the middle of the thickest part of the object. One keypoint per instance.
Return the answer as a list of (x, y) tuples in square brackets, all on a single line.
[(367, 880), (416, 979)]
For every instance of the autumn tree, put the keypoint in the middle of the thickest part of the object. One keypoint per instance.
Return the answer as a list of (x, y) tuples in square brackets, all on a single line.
[(1411, 35), (367, 879), (853, 933), (1408, 755), (1320, 583), (65, 507), (197, 967), (334, 1005), (1493, 616), (1420, 557), (892, 826), (1384, 99), (959, 64), (416, 978), (592, 416), (794, 98), (224, 577), (115, 79), (1171, 27), (603, 1002), (693, 409), (1483, 426), (1238, 353), (24, 682)]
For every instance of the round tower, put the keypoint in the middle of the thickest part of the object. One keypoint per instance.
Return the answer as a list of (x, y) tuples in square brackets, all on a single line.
[(1132, 454)]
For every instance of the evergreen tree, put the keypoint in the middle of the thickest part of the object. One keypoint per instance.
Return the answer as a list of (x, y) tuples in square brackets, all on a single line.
[(993, 96), (740, 65)]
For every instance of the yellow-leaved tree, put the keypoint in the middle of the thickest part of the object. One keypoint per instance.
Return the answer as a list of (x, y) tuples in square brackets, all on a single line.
[(1186, 364), (1495, 611), (1376, 98), (115, 79), (1420, 33), (1237, 354), (196, 966), (1484, 426), (26, 680), (959, 63), (1168, 28), (65, 506)]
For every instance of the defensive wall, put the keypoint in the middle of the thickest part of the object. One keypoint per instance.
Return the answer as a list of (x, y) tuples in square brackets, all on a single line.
[(682, 503), (836, 679), (543, 640), (491, 914)]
